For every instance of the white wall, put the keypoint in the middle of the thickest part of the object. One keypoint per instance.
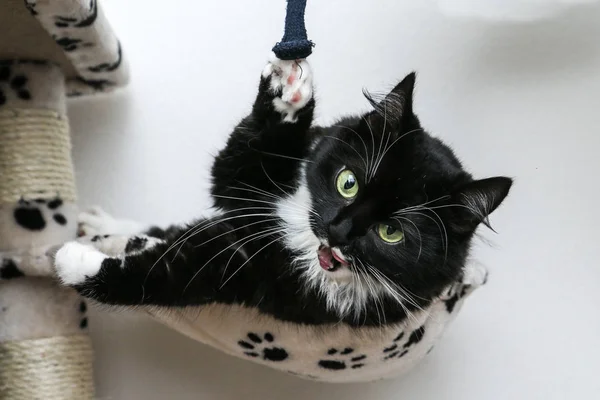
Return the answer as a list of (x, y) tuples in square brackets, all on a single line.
[(520, 100)]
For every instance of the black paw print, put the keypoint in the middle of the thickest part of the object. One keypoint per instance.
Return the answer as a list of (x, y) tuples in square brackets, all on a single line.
[(83, 323), (16, 83), (70, 44), (67, 22), (28, 214), (9, 270), (96, 84), (256, 346), (64, 22), (397, 349), (109, 66), (344, 359)]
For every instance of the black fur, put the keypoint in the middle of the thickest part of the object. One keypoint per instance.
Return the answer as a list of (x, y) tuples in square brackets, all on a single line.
[(262, 160)]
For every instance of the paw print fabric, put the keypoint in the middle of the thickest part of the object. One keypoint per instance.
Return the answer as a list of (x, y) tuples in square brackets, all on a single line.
[(332, 353)]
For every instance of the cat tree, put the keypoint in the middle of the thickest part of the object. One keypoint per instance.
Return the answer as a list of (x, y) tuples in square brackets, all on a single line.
[(49, 50)]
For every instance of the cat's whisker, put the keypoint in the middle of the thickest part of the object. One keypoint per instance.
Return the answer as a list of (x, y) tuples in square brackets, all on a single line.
[(186, 235), (441, 227), (395, 295), (284, 156), (274, 204), (393, 288), (220, 221), (254, 236), (445, 197), (372, 140), (251, 257), (272, 181), (356, 281), (349, 145), (373, 292), (373, 295), (418, 232), (253, 189), (363, 142), (236, 229), (380, 155), (471, 209), (288, 198), (392, 145), (232, 255)]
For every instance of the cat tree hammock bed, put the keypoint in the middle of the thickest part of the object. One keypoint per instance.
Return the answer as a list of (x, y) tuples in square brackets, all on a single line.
[(49, 50)]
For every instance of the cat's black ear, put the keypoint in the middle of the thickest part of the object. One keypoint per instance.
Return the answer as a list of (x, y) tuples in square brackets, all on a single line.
[(398, 103), (477, 200)]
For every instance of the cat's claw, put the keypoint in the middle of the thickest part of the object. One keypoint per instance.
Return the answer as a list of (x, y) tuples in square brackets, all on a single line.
[(291, 81)]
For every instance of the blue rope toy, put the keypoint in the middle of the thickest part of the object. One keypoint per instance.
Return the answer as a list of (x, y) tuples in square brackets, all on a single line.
[(295, 44)]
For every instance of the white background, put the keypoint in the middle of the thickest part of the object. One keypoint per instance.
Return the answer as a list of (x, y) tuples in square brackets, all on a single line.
[(518, 100)]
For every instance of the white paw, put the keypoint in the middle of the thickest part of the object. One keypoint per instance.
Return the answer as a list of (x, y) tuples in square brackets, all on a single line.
[(294, 79), (475, 275), (75, 262), (98, 222)]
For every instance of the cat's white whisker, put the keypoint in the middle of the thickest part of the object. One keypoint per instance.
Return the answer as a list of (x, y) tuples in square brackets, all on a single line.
[(398, 218), (251, 257), (364, 145), (255, 235), (196, 228), (349, 145)]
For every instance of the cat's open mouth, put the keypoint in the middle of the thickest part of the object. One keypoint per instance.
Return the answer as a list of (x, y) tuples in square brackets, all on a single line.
[(331, 259)]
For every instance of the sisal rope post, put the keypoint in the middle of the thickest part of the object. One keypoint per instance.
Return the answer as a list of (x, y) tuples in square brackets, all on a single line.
[(45, 351), (50, 368), (35, 155)]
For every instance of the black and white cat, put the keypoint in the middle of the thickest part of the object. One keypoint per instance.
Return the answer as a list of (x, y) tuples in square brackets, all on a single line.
[(331, 238)]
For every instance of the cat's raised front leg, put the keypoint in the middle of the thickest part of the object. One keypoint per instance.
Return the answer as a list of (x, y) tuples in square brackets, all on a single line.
[(264, 152)]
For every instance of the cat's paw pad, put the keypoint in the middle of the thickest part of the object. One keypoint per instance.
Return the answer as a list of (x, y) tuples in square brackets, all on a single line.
[(75, 262), (96, 221), (291, 81)]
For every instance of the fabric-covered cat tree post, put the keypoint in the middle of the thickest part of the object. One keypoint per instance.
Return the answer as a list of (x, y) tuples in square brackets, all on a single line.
[(49, 50)]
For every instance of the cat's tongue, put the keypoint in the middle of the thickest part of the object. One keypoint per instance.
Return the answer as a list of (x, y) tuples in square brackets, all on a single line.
[(326, 259), (330, 260)]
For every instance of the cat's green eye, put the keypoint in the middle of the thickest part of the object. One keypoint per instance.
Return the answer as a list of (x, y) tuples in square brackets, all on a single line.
[(390, 234), (347, 184)]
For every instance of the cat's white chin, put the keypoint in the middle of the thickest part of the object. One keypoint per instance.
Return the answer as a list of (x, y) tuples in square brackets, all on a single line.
[(341, 275)]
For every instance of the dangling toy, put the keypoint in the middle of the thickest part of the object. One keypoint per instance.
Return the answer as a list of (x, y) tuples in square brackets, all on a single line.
[(295, 44)]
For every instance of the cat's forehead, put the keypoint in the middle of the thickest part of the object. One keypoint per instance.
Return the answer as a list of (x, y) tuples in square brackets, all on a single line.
[(396, 167), (379, 155)]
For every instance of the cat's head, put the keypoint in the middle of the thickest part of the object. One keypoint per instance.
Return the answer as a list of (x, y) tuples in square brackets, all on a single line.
[(390, 211)]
